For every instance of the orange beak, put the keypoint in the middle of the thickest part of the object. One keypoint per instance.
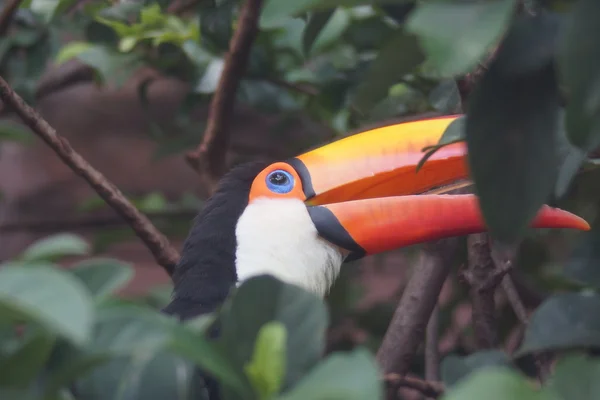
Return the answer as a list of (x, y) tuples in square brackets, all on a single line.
[(361, 191)]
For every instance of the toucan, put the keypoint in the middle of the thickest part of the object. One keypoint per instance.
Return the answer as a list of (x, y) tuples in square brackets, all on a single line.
[(300, 219)]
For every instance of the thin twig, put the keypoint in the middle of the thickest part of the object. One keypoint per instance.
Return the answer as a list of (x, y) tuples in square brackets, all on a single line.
[(504, 260), (209, 156), (157, 243), (432, 389), (7, 14)]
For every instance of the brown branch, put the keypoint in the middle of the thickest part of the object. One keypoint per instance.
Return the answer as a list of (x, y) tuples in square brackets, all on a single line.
[(88, 222), (7, 14), (157, 243), (210, 155), (483, 279), (432, 389), (406, 330)]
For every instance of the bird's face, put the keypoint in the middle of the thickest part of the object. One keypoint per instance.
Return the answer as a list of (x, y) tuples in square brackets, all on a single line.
[(358, 196)]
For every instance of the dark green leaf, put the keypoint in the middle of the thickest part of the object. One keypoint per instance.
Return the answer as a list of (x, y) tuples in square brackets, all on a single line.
[(103, 277), (14, 132), (531, 44), (577, 377), (137, 334), (324, 29), (315, 24), (157, 376), (398, 57), (457, 35), (265, 299), (511, 136), (564, 321), (579, 67), (350, 376), (22, 366), (55, 247), (497, 383), (454, 133), (445, 97), (455, 368), (49, 297), (571, 159), (583, 264)]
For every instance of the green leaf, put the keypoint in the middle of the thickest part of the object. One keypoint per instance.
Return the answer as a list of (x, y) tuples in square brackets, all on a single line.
[(15, 132), (348, 376), (399, 56), (497, 383), (103, 277), (577, 377), (71, 50), (582, 265), (579, 72), (266, 370), (49, 297), (56, 247), (512, 121), (264, 299), (47, 9), (571, 158), (137, 334), (274, 11), (315, 25), (210, 79), (454, 133), (456, 36), (455, 368), (23, 365), (324, 29), (564, 321), (109, 64)]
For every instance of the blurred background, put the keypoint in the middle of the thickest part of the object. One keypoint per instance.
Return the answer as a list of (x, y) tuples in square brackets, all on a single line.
[(129, 83)]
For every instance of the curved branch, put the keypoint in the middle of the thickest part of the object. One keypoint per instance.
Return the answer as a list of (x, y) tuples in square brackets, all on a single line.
[(157, 243), (210, 154)]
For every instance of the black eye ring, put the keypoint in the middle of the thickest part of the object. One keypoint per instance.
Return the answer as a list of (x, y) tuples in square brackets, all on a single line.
[(280, 181)]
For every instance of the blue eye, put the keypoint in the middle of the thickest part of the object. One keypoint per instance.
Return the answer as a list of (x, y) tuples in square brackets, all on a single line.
[(280, 181)]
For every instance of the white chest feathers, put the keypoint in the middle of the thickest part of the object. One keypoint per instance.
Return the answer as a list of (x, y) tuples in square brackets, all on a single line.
[(277, 237)]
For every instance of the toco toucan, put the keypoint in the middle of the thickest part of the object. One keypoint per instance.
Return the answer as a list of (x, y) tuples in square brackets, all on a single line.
[(301, 219)]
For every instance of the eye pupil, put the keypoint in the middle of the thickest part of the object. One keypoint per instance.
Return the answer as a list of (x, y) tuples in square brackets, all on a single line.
[(278, 178)]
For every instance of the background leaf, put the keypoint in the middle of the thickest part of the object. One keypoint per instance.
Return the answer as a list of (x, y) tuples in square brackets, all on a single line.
[(48, 297), (564, 321)]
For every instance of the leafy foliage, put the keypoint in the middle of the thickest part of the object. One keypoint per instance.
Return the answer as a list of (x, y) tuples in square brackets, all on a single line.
[(271, 344)]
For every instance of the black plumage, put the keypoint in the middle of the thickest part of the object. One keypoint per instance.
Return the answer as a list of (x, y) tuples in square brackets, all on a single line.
[(206, 271)]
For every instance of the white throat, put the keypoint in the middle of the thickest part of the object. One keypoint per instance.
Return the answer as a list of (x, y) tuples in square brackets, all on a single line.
[(277, 237)]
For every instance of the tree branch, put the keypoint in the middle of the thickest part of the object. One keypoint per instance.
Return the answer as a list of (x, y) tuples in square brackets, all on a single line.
[(88, 222), (210, 155), (157, 243), (428, 388), (407, 328), (481, 276), (7, 15)]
